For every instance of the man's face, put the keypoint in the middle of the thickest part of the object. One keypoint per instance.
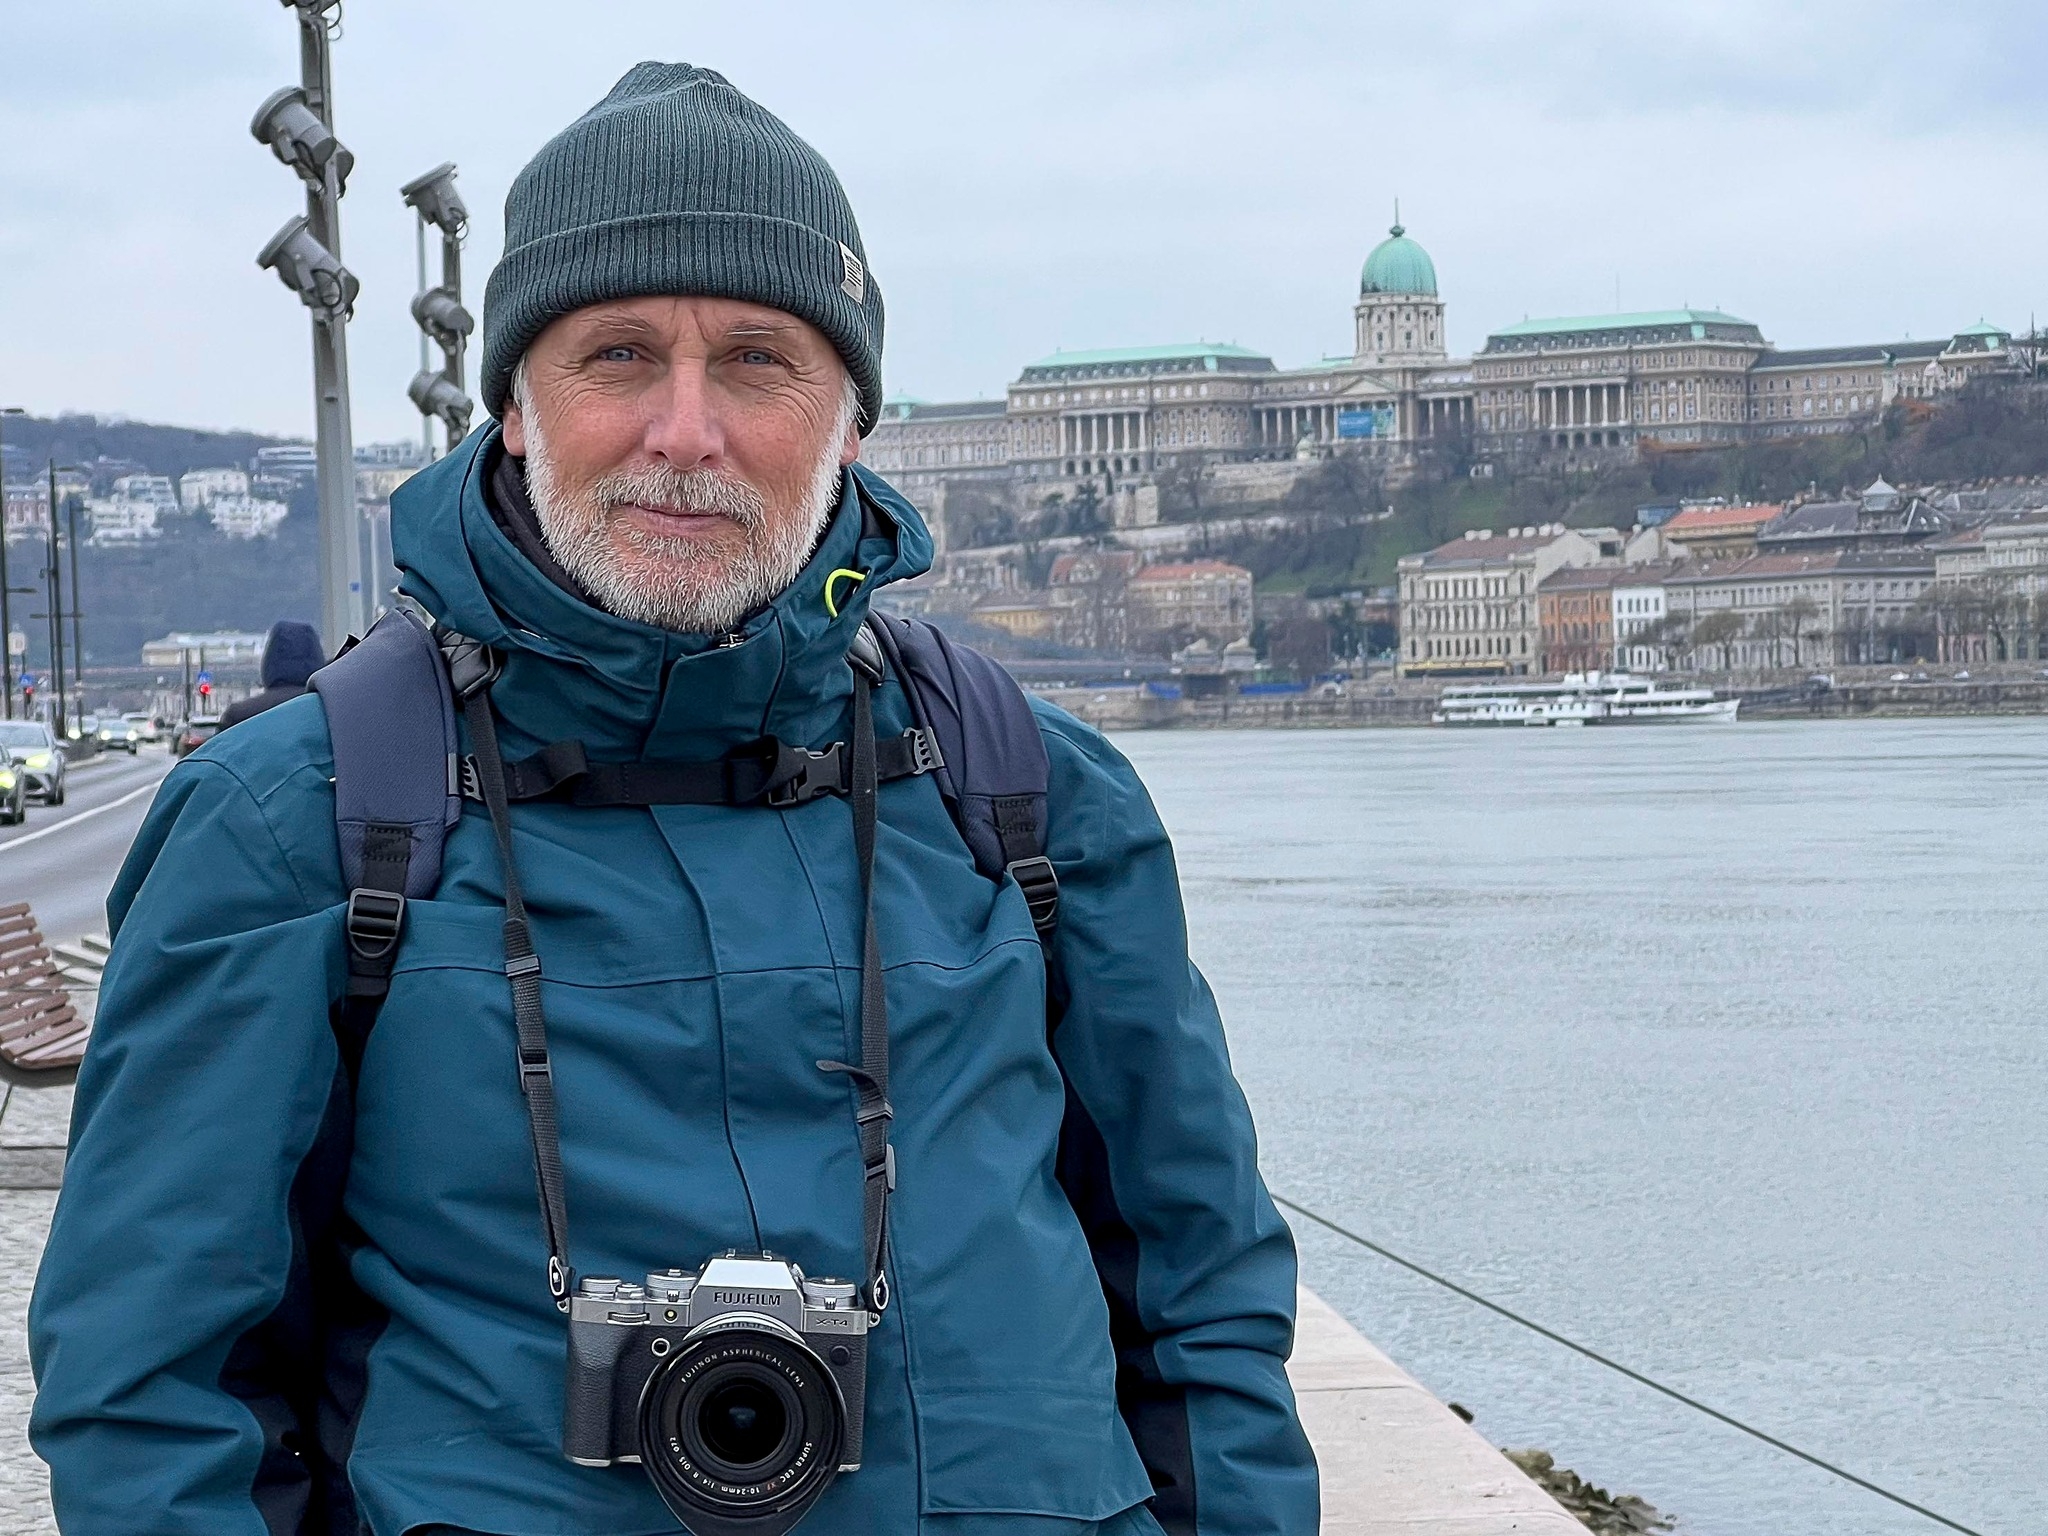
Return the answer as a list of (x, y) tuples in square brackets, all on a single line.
[(683, 454)]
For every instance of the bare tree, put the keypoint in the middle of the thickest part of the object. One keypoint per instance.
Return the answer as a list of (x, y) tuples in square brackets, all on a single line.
[(1719, 630), (1800, 616)]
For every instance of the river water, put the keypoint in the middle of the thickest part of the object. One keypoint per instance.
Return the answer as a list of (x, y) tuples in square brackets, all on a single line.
[(1719, 1049)]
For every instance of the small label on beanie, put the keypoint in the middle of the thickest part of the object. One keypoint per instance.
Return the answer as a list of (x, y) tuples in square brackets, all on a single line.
[(855, 283)]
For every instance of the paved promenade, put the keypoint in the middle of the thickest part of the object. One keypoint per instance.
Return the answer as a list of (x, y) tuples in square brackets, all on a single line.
[(32, 1127), (1395, 1461)]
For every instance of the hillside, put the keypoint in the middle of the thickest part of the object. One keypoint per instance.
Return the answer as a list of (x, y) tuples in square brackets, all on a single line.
[(110, 446), (1357, 527)]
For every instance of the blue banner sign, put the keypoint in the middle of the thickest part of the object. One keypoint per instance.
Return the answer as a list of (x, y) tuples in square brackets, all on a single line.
[(1365, 421)]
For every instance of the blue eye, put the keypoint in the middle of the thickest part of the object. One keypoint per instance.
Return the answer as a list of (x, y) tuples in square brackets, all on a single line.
[(617, 354), (756, 355)]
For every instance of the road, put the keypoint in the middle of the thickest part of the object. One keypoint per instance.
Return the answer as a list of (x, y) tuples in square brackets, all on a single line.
[(64, 859)]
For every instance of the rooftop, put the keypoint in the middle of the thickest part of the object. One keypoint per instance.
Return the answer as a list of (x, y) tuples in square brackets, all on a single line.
[(1722, 519), (1875, 352), (1398, 265), (1483, 545), (903, 408), (1175, 352), (1191, 568), (1649, 327), (1586, 577)]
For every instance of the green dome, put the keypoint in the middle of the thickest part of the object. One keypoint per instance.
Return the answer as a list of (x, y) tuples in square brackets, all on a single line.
[(1398, 265)]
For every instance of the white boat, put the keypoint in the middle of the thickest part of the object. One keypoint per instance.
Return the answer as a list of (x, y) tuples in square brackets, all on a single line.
[(1581, 698)]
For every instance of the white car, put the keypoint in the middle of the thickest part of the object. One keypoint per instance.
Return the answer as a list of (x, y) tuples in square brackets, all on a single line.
[(36, 753)]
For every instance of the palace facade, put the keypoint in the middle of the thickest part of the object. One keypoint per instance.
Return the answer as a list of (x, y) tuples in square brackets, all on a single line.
[(1577, 386)]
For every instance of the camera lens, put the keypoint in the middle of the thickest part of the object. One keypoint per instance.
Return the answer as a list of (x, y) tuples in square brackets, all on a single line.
[(742, 1421), (741, 1428)]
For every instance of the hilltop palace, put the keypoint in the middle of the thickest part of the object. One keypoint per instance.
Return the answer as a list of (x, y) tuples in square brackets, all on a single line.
[(1588, 387)]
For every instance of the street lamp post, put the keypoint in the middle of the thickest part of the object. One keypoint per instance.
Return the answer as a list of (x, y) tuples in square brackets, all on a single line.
[(77, 640), (6, 587), (53, 573), (438, 311), (298, 125)]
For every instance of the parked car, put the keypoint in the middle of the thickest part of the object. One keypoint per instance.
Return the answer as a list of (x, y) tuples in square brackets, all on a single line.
[(1898, 677), (33, 745), (194, 734), (119, 733), (13, 793)]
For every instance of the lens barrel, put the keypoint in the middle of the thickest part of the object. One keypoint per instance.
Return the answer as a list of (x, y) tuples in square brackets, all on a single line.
[(741, 1428)]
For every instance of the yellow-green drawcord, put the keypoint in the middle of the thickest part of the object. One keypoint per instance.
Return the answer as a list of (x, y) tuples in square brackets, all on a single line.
[(856, 577)]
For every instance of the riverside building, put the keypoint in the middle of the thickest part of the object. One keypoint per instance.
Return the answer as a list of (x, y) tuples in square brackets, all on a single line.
[(1582, 386), (1470, 608)]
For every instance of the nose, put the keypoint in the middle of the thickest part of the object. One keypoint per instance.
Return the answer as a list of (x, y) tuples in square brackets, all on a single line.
[(684, 426)]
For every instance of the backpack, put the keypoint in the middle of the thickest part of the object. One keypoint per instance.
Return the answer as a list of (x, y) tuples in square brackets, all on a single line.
[(400, 780)]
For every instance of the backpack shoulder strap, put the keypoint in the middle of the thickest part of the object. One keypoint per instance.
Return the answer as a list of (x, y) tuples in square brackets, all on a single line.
[(995, 770), (391, 718)]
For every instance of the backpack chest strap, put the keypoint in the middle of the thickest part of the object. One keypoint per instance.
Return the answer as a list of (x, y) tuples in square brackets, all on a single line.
[(767, 772)]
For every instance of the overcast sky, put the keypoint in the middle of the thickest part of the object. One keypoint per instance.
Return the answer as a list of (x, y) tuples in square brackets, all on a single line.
[(1042, 175)]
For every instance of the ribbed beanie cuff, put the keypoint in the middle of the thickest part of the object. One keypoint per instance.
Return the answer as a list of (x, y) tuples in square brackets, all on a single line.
[(676, 183)]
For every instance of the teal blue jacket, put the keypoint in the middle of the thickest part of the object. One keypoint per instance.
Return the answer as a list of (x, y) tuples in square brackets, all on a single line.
[(1056, 1354)]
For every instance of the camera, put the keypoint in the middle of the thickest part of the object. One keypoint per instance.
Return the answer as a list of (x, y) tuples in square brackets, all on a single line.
[(740, 1389)]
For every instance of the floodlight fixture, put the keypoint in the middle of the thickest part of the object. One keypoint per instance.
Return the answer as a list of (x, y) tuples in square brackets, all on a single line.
[(435, 394), (288, 124), (434, 197), (311, 271), (441, 315)]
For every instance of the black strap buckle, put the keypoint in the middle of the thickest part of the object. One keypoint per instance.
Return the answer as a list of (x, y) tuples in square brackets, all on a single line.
[(802, 775), (1040, 884), (472, 666), (534, 1067), (885, 1170), (374, 922)]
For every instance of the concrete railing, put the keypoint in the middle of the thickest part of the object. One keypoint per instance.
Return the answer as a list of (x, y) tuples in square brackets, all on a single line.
[(1395, 1461)]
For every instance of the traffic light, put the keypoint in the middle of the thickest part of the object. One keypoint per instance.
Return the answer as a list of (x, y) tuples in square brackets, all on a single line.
[(438, 310), (205, 694)]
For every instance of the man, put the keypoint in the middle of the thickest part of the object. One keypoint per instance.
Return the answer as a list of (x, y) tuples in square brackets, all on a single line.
[(1090, 1294), (291, 654)]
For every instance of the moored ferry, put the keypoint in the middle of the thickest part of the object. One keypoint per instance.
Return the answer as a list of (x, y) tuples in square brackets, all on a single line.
[(1581, 698)]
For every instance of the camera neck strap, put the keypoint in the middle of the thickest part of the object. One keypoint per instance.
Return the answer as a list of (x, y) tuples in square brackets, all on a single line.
[(870, 1076)]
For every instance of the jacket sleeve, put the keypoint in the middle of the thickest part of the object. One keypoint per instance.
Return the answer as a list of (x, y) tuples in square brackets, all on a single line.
[(1160, 1160), (207, 1089)]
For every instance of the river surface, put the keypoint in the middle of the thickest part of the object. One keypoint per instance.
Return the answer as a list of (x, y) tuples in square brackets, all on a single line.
[(1719, 1049)]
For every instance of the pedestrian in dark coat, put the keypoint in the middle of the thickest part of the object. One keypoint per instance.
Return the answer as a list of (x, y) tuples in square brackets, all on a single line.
[(291, 654)]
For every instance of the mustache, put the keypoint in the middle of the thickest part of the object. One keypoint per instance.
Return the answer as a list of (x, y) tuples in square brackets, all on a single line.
[(686, 492)]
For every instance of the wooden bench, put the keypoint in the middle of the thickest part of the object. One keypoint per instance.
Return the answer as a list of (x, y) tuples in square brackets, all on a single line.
[(42, 1038)]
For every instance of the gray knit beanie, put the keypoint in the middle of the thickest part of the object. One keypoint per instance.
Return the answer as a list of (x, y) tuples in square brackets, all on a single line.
[(676, 183)]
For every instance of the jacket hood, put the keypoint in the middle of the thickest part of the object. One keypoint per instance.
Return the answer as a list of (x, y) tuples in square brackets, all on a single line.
[(628, 690), (291, 654)]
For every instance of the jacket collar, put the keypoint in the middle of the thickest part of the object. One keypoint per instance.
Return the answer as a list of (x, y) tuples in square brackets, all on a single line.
[(627, 690)]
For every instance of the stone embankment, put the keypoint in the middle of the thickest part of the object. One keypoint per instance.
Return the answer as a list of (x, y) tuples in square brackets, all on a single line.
[(1125, 707), (1394, 1460)]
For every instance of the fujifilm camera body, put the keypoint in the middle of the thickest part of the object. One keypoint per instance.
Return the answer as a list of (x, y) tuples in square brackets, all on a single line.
[(740, 1388)]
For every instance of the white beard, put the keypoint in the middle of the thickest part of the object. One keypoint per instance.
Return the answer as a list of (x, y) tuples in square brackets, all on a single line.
[(677, 583)]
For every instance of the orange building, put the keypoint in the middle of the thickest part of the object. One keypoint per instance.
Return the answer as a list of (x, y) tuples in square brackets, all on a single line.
[(1575, 607)]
